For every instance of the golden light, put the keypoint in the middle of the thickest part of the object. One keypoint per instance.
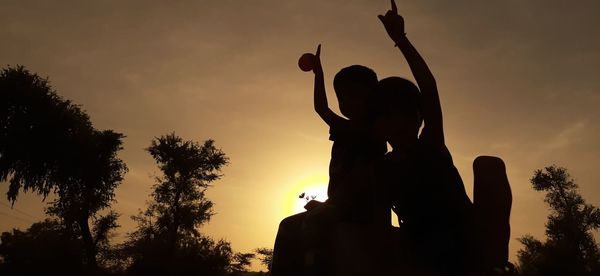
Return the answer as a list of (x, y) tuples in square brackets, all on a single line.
[(313, 187)]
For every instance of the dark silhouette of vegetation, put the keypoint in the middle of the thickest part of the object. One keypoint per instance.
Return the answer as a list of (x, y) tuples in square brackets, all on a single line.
[(167, 240), (48, 145), (45, 246), (265, 256), (49, 247), (241, 262), (179, 204), (570, 248)]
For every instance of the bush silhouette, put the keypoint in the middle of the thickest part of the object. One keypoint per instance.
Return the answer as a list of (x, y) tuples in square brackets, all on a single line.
[(570, 248)]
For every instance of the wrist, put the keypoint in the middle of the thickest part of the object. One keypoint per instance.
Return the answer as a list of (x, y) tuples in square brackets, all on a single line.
[(400, 39)]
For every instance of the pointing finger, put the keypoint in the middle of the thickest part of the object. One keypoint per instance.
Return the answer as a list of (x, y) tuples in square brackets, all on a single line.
[(394, 8), (318, 51)]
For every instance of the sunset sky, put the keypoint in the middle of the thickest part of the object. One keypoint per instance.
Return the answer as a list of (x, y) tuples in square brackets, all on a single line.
[(518, 79)]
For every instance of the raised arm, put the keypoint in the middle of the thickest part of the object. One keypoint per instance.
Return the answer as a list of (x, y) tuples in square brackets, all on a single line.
[(321, 106), (430, 101)]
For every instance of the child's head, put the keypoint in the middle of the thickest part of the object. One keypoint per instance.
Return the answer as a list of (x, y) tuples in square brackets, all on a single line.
[(352, 86), (398, 110)]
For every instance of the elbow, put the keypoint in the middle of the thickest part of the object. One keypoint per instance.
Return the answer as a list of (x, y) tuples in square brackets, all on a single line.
[(317, 109), (320, 109)]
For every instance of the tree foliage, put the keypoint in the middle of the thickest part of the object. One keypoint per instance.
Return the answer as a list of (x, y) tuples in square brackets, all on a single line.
[(200, 255), (48, 145), (240, 262), (265, 256), (37, 131), (50, 247), (47, 247), (179, 204), (570, 248), (167, 238)]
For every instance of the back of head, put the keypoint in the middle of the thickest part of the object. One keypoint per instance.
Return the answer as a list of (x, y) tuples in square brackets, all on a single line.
[(397, 96), (397, 112), (353, 85), (354, 75)]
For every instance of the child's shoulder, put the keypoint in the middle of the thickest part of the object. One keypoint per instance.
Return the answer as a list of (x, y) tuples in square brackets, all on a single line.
[(347, 129)]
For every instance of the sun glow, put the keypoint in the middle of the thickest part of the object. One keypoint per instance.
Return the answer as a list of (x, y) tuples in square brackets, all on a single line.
[(313, 187)]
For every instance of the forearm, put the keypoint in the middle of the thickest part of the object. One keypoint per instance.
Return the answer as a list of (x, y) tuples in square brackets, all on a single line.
[(430, 101), (320, 96), (417, 64)]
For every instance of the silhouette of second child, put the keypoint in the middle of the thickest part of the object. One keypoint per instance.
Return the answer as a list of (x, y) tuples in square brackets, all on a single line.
[(427, 192)]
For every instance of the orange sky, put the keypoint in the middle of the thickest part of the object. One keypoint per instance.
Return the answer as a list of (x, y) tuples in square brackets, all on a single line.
[(518, 79)]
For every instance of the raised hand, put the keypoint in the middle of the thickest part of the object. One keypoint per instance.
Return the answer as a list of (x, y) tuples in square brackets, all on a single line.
[(393, 23), (317, 68), (430, 101)]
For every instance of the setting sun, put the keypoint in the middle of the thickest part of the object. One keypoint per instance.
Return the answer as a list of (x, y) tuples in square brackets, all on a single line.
[(313, 187)]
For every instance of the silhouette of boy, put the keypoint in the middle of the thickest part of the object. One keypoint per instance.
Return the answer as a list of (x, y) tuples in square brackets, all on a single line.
[(303, 240), (354, 154), (355, 147), (426, 190)]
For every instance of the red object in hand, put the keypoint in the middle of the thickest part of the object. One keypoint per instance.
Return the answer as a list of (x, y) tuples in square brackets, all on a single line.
[(306, 62)]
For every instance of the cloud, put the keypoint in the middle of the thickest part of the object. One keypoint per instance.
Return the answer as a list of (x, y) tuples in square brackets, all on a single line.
[(566, 137)]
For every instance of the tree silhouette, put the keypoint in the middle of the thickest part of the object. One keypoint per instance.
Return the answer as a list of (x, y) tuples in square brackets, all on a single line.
[(167, 238), (570, 248), (48, 145), (240, 263), (265, 256), (179, 203), (47, 247)]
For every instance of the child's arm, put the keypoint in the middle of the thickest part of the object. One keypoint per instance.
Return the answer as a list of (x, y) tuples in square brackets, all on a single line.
[(430, 101), (321, 106)]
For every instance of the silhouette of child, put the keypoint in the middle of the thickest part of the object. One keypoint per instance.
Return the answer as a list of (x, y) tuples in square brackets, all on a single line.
[(426, 190), (303, 243), (355, 146), (354, 154)]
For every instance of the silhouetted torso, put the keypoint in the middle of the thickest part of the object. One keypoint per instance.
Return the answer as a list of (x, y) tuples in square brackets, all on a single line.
[(429, 197), (354, 154)]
